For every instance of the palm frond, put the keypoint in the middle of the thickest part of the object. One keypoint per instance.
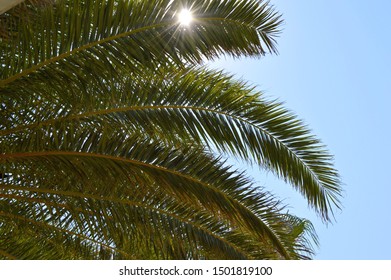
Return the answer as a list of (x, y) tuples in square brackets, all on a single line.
[(211, 234), (211, 108), (185, 174), (65, 39)]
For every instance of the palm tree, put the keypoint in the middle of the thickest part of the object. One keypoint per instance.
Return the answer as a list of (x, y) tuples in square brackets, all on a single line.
[(114, 136)]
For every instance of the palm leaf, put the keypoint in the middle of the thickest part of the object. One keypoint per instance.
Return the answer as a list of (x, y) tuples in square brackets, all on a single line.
[(185, 175), (127, 34), (211, 108)]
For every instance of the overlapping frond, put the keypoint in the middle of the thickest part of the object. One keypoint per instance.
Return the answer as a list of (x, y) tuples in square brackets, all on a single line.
[(109, 130), (189, 176), (208, 107), (79, 40)]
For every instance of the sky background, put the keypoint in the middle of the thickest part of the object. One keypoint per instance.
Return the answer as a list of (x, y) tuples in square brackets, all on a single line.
[(333, 71)]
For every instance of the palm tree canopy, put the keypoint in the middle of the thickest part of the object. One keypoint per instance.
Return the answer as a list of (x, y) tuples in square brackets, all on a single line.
[(111, 130)]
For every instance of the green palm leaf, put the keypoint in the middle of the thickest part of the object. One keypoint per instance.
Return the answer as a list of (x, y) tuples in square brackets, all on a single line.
[(123, 35), (210, 107), (121, 162)]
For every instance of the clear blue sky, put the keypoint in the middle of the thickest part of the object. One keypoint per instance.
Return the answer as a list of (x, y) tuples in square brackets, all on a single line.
[(334, 71)]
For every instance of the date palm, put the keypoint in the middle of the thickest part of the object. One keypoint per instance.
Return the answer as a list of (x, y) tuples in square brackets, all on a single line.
[(114, 136)]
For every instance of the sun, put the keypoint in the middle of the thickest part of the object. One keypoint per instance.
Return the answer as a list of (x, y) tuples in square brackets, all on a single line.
[(185, 17)]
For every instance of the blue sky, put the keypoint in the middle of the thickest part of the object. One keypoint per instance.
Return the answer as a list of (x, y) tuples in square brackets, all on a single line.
[(333, 71)]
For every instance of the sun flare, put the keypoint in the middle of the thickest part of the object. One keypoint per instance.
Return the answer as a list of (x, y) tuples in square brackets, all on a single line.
[(185, 17)]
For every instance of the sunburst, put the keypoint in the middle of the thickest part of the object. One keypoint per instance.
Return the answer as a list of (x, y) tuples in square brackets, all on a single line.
[(185, 17)]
